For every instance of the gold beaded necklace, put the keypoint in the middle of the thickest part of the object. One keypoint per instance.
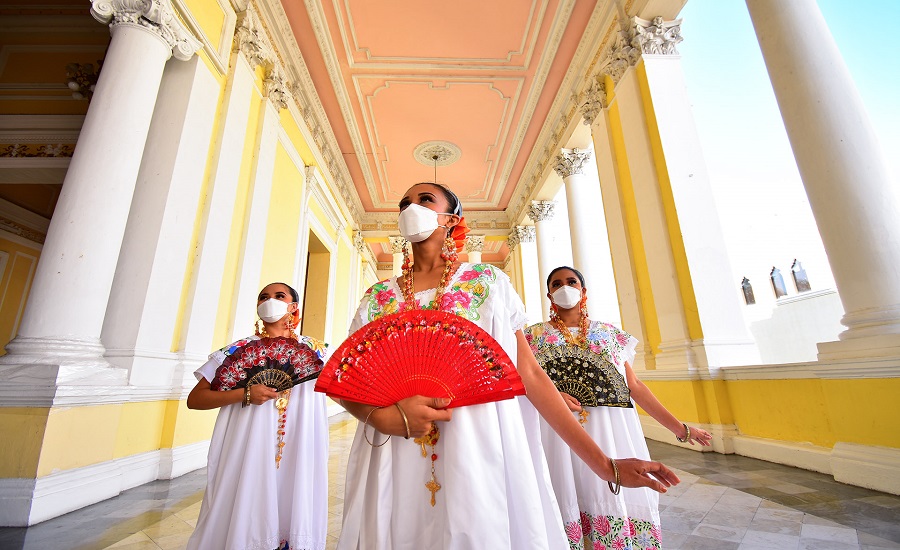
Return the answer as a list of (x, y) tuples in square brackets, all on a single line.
[(576, 340)]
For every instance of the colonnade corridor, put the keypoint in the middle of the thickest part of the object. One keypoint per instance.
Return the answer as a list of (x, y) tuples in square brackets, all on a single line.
[(723, 502)]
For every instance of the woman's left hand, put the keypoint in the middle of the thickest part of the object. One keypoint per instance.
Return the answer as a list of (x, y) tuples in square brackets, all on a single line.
[(702, 437)]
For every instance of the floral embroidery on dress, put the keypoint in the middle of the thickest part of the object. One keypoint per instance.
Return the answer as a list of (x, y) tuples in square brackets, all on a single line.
[(382, 300), (469, 289), (612, 533), (233, 347)]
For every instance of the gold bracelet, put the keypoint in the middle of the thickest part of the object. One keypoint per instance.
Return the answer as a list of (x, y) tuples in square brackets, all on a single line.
[(687, 434), (246, 397), (405, 420), (366, 423), (618, 487)]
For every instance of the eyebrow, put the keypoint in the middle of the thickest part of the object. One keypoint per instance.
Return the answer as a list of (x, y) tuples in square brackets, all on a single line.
[(421, 194)]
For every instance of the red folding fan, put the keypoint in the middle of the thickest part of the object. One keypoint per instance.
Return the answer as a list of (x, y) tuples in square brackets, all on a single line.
[(279, 363), (420, 352)]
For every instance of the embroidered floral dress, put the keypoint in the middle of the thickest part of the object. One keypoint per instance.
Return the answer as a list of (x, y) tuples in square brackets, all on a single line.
[(594, 518), (495, 490), (249, 504)]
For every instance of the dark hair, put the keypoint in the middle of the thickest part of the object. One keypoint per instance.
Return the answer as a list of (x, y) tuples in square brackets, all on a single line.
[(455, 203), (560, 268), (294, 294)]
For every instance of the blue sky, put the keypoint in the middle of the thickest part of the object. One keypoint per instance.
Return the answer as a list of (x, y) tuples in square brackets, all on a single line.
[(761, 201), (734, 106)]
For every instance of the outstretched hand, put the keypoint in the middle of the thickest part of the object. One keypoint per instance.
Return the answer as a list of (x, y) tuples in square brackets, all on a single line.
[(634, 472)]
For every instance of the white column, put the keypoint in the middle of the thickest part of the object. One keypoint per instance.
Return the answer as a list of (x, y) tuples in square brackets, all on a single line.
[(397, 244), (587, 231), (474, 247), (522, 242), (541, 212), (146, 292), (62, 324), (854, 201)]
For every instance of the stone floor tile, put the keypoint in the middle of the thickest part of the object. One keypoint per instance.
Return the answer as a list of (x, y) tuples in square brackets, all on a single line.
[(719, 532), (872, 541), (825, 532), (137, 537), (770, 540), (693, 542), (776, 525)]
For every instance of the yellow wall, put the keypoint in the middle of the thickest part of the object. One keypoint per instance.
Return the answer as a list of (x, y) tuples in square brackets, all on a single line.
[(210, 16), (821, 412), (284, 218), (15, 283), (23, 434)]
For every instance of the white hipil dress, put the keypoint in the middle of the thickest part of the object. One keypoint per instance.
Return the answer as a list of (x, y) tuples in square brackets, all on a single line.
[(593, 516), (496, 489), (249, 504)]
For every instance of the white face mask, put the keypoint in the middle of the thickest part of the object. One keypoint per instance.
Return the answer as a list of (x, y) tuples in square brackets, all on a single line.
[(272, 310), (417, 223), (566, 297)]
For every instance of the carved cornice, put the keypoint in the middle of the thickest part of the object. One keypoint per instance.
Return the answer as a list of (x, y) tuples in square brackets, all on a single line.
[(20, 150), (570, 162), (21, 230), (656, 37), (309, 107), (155, 16), (541, 210), (398, 243), (475, 243)]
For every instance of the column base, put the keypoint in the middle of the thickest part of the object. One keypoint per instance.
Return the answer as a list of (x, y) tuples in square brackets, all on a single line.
[(676, 355), (713, 354), (882, 321), (883, 347), (36, 369)]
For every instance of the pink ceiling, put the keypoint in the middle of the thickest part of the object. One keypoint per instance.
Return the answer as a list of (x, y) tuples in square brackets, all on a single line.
[(461, 71)]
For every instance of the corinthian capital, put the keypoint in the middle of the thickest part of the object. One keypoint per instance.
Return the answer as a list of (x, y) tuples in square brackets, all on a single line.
[(475, 243), (571, 162), (520, 234), (155, 16), (594, 101), (250, 39), (541, 210), (657, 37), (397, 244)]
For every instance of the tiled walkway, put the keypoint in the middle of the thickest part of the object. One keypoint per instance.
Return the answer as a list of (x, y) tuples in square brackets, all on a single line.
[(723, 502)]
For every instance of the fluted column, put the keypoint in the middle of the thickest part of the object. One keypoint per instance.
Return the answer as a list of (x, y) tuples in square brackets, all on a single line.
[(474, 247), (587, 231), (853, 198), (541, 212), (62, 323), (397, 244)]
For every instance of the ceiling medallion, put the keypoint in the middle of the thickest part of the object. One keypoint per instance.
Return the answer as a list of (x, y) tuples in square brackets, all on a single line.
[(447, 153)]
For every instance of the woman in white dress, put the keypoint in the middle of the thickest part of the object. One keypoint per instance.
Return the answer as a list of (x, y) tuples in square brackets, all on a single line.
[(261, 495), (595, 517), (474, 477)]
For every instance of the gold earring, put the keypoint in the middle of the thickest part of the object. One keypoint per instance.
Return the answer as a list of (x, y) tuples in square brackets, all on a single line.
[(259, 328), (448, 253)]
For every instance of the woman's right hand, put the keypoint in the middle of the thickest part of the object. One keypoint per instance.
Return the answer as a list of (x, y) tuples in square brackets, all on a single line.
[(421, 412), (574, 404), (260, 393), (634, 472)]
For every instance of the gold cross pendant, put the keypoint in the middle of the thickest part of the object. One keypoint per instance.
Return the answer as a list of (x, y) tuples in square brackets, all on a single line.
[(434, 487)]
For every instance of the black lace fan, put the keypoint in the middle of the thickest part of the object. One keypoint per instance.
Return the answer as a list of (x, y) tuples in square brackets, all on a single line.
[(587, 376), (279, 363)]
